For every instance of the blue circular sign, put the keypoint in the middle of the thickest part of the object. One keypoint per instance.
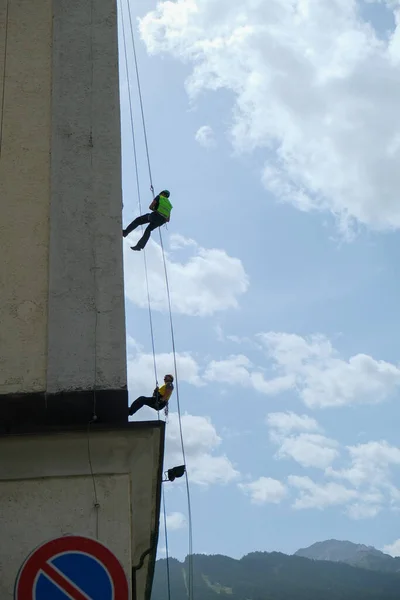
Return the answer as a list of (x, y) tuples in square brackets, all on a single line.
[(71, 568)]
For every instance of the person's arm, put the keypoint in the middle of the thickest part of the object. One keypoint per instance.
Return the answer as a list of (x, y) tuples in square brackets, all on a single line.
[(155, 202)]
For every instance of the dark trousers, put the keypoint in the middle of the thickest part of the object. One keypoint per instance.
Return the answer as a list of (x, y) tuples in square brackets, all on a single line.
[(153, 219), (152, 402)]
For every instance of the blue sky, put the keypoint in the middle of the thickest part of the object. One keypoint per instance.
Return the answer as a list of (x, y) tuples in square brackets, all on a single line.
[(277, 133)]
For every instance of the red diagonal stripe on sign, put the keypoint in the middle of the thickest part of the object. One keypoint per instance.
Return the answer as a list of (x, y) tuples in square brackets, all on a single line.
[(63, 583)]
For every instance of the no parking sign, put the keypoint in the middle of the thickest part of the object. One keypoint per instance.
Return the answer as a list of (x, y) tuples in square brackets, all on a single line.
[(71, 568)]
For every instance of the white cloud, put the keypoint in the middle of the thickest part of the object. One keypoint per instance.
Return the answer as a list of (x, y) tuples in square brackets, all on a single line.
[(175, 521), (392, 549), (141, 375), (233, 370), (200, 441), (314, 495), (205, 136), (311, 367), (370, 491), (264, 490), (286, 422), (370, 472), (207, 282), (322, 378), (360, 510), (309, 450), (367, 469), (239, 370), (314, 87), (178, 241), (369, 464)]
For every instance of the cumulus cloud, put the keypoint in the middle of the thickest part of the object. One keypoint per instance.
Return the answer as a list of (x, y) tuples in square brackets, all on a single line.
[(367, 475), (207, 282), (264, 490), (309, 450), (205, 136), (201, 442), (392, 549), (141, 375), (319, 495), (322, 107), (286, 422), (312, 368), (363, 510), (178, 241), (306, 448), (322, 378), (239, 370), (366, 487), (370, 471), (370, 463), (175, 521)]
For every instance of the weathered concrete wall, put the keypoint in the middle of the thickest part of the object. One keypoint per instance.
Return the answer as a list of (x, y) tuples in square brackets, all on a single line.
[(62, 321), (46, 491), (86, 211), (24, 192), (45, 501)]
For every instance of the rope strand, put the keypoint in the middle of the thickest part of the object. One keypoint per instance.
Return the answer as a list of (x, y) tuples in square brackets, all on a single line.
[(140, 98), (138, 193), (190, 556)]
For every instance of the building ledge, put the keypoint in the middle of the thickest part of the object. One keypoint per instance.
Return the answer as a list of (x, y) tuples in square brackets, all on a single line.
[(38, 411), (47, 467)]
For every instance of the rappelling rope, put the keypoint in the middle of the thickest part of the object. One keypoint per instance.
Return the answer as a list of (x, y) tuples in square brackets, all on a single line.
[(96, 504), (140, 98), (190, 557), (180, 421), (139, 196)]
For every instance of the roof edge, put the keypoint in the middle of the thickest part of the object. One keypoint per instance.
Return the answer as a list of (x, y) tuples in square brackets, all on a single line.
[(156, 530)]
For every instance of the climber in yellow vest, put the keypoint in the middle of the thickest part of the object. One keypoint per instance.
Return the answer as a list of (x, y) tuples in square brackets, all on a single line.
[(158, 400), (161, 210)]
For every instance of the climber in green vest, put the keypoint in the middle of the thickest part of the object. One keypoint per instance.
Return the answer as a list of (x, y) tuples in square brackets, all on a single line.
[(161, 210)]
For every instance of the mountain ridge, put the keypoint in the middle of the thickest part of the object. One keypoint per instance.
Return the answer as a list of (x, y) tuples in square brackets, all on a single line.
[(359, 555), (273, 576)]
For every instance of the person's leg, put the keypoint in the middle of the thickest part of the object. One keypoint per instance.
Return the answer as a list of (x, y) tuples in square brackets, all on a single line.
[(155, 220), (139, 403), (145, 238), (142, 220)]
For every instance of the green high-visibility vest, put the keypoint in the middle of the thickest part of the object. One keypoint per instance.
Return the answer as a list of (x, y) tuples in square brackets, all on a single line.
[(164, 206)]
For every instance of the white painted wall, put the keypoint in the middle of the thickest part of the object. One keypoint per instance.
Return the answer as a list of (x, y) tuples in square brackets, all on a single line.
[(46, 491)]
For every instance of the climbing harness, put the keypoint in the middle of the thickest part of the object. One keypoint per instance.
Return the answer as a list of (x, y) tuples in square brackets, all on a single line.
[(190, 553)]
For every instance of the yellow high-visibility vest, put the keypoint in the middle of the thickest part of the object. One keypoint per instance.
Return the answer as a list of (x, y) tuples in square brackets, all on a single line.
[(164, 206)]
